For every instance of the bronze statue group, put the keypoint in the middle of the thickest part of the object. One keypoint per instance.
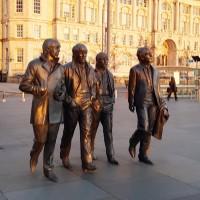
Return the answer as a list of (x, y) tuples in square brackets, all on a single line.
[(76, 93)]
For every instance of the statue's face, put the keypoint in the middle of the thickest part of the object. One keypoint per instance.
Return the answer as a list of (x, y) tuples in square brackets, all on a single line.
[(80, 56), (102, 62), (147, 57), (54, 50)]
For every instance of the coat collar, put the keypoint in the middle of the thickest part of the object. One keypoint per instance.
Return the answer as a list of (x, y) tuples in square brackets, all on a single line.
[(46, 65)]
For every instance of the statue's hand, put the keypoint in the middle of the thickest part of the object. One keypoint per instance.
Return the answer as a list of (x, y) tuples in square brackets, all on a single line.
[(60, 91), (131, 108), (43, 90)]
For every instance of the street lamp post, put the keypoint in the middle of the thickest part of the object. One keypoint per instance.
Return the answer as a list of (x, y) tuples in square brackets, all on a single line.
[(108, 28), (196, 73)]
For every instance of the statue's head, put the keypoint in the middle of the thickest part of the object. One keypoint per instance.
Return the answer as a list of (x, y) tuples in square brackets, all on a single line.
[(102, 60), (144, 55), (51, 48), (79, 52)]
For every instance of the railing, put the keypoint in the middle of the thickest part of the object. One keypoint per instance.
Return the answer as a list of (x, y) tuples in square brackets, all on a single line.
[(183, 91)]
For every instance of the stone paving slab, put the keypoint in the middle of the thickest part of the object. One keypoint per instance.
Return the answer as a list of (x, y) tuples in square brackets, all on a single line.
[(72, 191)]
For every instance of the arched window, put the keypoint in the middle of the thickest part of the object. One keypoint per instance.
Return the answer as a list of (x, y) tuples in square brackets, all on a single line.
[(196, 26), (141, 3), (90, 12), (141, 19), (68, 10), (166, 17), (125, 17), (165, 26), (185, 25), (126, 60)]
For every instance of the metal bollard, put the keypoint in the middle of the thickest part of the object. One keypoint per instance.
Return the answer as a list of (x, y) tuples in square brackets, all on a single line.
[(127, 94), (3, 97), (23, 97), (115, 93)]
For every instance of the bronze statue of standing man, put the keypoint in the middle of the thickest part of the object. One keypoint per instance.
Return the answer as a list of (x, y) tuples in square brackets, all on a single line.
[(144, 95), (103, 106), (40, 79), (80, 91)]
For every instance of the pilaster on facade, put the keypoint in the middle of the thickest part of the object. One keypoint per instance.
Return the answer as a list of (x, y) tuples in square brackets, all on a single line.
[(191, 20), (155, 16), (159, 15), (134, 15), (149, 19), (57, 9)]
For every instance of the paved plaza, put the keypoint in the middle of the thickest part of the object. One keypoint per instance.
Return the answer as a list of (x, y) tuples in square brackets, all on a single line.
[(175, 175)]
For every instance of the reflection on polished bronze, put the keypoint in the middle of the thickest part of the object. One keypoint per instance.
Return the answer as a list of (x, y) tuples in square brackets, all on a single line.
[(40, 79), (144, 94), (103, 106), (80, 90)]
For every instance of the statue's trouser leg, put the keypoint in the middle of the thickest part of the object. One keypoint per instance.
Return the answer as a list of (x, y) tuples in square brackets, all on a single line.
[(95, 123), (85, 122), (70, 122), (45, 136), (50, 146), (107, 123), (146, 120)]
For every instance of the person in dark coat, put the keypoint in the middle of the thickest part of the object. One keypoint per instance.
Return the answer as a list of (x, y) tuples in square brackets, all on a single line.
[(172, 89), (40, 79), (103, 106), (80, 91), (144, 95)]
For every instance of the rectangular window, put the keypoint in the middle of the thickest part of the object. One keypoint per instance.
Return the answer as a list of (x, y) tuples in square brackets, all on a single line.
[(196, 28), (123, 39), (130, 40), (88, 14), (66, 11), (123, 19), (114, 40), (37, 6), (75, 34), (66, 34), (73, 12), (37, 31), (140, 22), (95, 37), (19, 5), (87, 37), (19, 30), (19, 55)]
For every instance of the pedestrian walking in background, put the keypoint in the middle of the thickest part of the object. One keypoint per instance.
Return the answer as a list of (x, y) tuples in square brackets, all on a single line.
[(172, 89)]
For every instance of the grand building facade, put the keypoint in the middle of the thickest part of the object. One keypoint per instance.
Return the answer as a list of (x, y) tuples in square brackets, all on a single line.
[(170, 28)]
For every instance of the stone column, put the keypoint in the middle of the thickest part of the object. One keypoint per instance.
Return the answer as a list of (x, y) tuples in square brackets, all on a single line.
[(191, 20), (159, 15), (134, 14), (82, 11), (177, 17), (155, 15), (100, 12), (57, 9), (149, 20), (117, 15)]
